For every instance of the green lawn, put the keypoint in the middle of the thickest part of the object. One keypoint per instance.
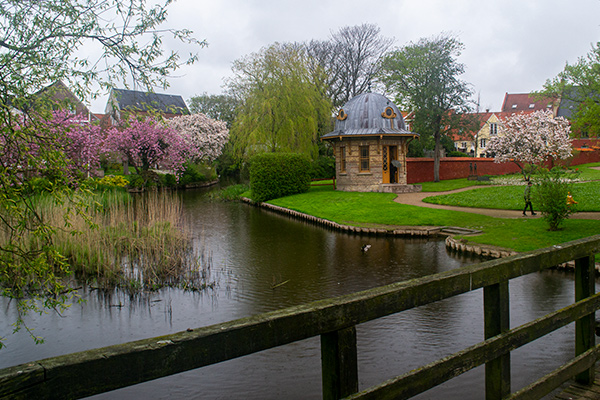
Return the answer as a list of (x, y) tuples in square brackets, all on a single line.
[(451, 184), (586, 194), (377, 209)]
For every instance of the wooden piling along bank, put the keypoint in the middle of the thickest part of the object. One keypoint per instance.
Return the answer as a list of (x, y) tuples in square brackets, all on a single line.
[(406, 231), (458, 245), (334, 320)]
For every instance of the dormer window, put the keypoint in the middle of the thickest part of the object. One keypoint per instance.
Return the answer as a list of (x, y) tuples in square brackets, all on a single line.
[(514, 106), (532, 105)]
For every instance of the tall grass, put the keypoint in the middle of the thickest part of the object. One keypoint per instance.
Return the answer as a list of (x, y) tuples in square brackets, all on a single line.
[(229, 193), (140, 243)]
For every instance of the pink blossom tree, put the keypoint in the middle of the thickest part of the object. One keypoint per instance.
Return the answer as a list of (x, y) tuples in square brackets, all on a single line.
[(74, 147), (146, 143), (204, 136), (82, 141), (531, 139)]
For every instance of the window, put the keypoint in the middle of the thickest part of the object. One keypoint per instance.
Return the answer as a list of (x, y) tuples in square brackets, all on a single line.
[(532, 105), (364, 159), (514, 106), (343, 159), (482, 143), (463, 145), (493, 129)]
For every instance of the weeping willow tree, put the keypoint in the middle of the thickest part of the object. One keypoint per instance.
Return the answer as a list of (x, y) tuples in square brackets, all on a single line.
[(282, 108)]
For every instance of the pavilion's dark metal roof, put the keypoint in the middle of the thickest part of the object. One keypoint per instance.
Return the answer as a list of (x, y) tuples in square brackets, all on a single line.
[(363, 117)]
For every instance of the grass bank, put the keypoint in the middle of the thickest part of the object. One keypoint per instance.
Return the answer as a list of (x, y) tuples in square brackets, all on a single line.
[(509, 194), (379, 209)]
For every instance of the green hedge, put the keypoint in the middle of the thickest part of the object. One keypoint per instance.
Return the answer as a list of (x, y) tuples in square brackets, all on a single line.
[(274, 175)]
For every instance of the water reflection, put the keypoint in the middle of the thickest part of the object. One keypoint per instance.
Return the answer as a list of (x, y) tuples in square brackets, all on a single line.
[(253, 249)]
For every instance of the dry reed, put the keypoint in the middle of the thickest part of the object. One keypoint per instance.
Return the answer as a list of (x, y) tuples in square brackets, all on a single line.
[(140, 243)]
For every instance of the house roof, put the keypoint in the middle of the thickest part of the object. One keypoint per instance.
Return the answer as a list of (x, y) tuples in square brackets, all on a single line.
[(525, 102), (369, 114), (133, 100), (570, 100)]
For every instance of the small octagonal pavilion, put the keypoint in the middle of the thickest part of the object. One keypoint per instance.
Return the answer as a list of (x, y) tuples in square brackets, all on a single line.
[(370, 141)]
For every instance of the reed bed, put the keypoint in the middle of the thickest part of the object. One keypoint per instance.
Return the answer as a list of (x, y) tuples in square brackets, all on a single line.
[(113, 239)]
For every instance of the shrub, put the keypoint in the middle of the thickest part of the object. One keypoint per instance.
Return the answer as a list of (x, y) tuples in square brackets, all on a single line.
[(323, 168), (457, 154), (113, 180), (194, 173), (551, 196), (168, 180), (229, 193), (274, 175), (136, 182)]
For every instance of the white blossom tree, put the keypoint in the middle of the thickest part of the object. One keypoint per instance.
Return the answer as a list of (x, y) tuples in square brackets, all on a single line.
[(531, 139), (204, 136)]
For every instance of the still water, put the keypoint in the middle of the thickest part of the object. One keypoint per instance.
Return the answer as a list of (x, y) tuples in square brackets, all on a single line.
[(251, 251)]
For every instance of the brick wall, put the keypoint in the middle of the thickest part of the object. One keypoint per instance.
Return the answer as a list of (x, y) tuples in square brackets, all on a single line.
[(421, 169)]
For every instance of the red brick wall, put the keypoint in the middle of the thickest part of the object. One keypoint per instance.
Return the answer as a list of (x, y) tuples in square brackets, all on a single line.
[(421, 169)]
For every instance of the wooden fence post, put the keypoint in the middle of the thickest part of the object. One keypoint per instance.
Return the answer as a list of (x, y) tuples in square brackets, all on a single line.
[(584, 327), (497, 321), (339, 363)]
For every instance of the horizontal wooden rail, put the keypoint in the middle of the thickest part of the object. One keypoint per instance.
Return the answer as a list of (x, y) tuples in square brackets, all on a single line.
[(324, 184), (440, 371), (100, 370)]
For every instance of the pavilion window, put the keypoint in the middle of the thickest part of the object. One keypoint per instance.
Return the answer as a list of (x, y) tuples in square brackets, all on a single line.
[(343, 159), (364, 159)]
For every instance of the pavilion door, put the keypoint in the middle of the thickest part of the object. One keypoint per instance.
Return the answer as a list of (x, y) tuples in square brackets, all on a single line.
[(390, 172)]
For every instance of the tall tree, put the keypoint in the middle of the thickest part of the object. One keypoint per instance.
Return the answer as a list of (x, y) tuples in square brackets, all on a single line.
[(220, 107), (39, 44), (350, 59), (579, 84), (281, 108), (424, 77)]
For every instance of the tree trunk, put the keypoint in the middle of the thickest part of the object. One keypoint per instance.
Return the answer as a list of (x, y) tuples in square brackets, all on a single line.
[(436, 160), (437, 135)]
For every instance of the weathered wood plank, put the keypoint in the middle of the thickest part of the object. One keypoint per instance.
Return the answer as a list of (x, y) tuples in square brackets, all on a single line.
[(21, 376), (585, 274), (556, 378), (424, 378), (496, 321), (339, 357)]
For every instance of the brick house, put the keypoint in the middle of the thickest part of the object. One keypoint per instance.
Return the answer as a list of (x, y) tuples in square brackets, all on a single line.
[(122, 101), (370, 142), (475, 143), (59, 97)]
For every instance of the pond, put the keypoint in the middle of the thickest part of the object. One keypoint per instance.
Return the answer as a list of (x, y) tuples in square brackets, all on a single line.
[(261, 261)]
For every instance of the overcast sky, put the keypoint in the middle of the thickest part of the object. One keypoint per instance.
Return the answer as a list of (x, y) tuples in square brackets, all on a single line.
[(510, 45)]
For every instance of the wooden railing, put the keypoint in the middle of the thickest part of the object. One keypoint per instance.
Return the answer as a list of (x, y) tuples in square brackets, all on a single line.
[(323, 180), (334, 320)]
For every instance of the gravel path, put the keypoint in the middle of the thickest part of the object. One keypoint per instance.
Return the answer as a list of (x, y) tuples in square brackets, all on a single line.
[(416, 199)]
